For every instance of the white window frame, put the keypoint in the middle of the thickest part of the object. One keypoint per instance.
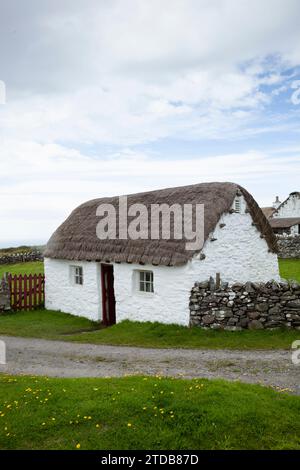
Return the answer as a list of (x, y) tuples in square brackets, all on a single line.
[(238, 205), (77, 275), (145, 281)]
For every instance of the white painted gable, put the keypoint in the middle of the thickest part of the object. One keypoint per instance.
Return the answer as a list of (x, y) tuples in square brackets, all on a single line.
[(290, 207)]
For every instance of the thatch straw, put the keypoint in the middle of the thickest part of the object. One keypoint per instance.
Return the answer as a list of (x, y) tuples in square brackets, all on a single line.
[(284, 222), (76, 238), (268, 211)]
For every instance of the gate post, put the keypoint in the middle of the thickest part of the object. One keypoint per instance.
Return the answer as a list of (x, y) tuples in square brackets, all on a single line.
[(5, 294)]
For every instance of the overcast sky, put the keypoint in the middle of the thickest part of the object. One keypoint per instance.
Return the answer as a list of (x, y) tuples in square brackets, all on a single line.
[(112, 97)]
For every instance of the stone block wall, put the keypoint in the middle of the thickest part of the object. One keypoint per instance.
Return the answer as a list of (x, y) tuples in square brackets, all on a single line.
[(250, 305), (288, 246)]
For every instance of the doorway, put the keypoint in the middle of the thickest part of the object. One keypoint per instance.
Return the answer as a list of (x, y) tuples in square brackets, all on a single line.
[(108, 295)]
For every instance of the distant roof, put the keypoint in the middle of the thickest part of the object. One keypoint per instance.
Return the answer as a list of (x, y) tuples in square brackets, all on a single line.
[(76, 238), (268, 211), (284, 222)]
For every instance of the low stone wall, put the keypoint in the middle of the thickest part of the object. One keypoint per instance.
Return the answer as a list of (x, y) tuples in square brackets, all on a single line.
[(21, 257), (288, 246), (4, 295), (250, 305)]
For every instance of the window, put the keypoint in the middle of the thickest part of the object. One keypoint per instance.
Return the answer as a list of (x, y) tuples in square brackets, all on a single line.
[(77, 275), (146, 281), (237, 205)]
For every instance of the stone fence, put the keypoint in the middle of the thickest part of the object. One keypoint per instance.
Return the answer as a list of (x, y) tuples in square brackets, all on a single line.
[(288, 246), (250, 305), (21, 257)]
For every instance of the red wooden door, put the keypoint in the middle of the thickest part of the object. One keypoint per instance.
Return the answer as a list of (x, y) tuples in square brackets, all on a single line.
[(108, 295)]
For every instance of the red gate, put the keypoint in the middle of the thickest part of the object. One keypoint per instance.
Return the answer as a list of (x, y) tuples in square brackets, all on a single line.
[(27, 291)]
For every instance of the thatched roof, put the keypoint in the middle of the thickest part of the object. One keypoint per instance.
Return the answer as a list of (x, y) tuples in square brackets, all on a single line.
[(76, 238), (268, 211), (284, 222)]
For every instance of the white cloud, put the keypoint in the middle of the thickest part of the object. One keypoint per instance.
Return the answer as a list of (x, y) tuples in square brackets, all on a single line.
[(130, 72), (112, 71), (40, 196)]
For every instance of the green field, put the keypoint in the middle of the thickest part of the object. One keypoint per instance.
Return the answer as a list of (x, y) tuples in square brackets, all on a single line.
[(31, 267), (290, 268), (56, 325), (144, 413)]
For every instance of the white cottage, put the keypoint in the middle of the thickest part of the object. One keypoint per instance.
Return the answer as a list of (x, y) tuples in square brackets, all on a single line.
[(150, 280), (286, 217)]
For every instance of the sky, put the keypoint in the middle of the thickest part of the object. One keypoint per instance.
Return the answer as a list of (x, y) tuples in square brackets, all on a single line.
[(113, 97)]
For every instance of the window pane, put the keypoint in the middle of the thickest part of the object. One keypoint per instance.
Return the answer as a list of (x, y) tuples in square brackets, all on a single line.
[(146, 281), (77, 272)]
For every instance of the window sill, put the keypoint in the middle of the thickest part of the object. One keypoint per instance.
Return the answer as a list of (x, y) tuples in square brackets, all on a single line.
[(144, 294)]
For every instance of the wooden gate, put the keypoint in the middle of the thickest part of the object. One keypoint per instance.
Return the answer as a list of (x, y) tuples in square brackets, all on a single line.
[(27, 291)]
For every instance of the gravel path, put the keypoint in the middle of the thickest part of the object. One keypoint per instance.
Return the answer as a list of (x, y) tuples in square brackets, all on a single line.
[(62, 359)]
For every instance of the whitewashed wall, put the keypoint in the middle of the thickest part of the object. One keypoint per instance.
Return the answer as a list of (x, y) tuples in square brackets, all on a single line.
[(291, 208), (239, 254), (295, 229), (62, 294)]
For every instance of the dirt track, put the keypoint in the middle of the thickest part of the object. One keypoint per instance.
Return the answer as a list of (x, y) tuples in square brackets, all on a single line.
[(62, 359)]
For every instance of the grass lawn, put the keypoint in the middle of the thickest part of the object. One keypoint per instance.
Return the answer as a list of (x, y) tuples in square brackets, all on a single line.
[(56, 325), (43, 324), (290, 268), (30, 267), (144, 413)]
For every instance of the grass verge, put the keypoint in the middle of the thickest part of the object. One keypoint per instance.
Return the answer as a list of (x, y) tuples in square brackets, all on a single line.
[(56, 325), (144, 413)]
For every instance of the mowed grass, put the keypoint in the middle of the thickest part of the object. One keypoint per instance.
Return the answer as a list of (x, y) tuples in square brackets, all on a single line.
[(290, 268), (43, 324), (30, 267), (60, 326), (158, 335), (144, 413)]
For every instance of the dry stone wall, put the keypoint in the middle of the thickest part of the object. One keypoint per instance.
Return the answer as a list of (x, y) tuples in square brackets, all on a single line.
[(251, 305), (288, 246), (21, 257)]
